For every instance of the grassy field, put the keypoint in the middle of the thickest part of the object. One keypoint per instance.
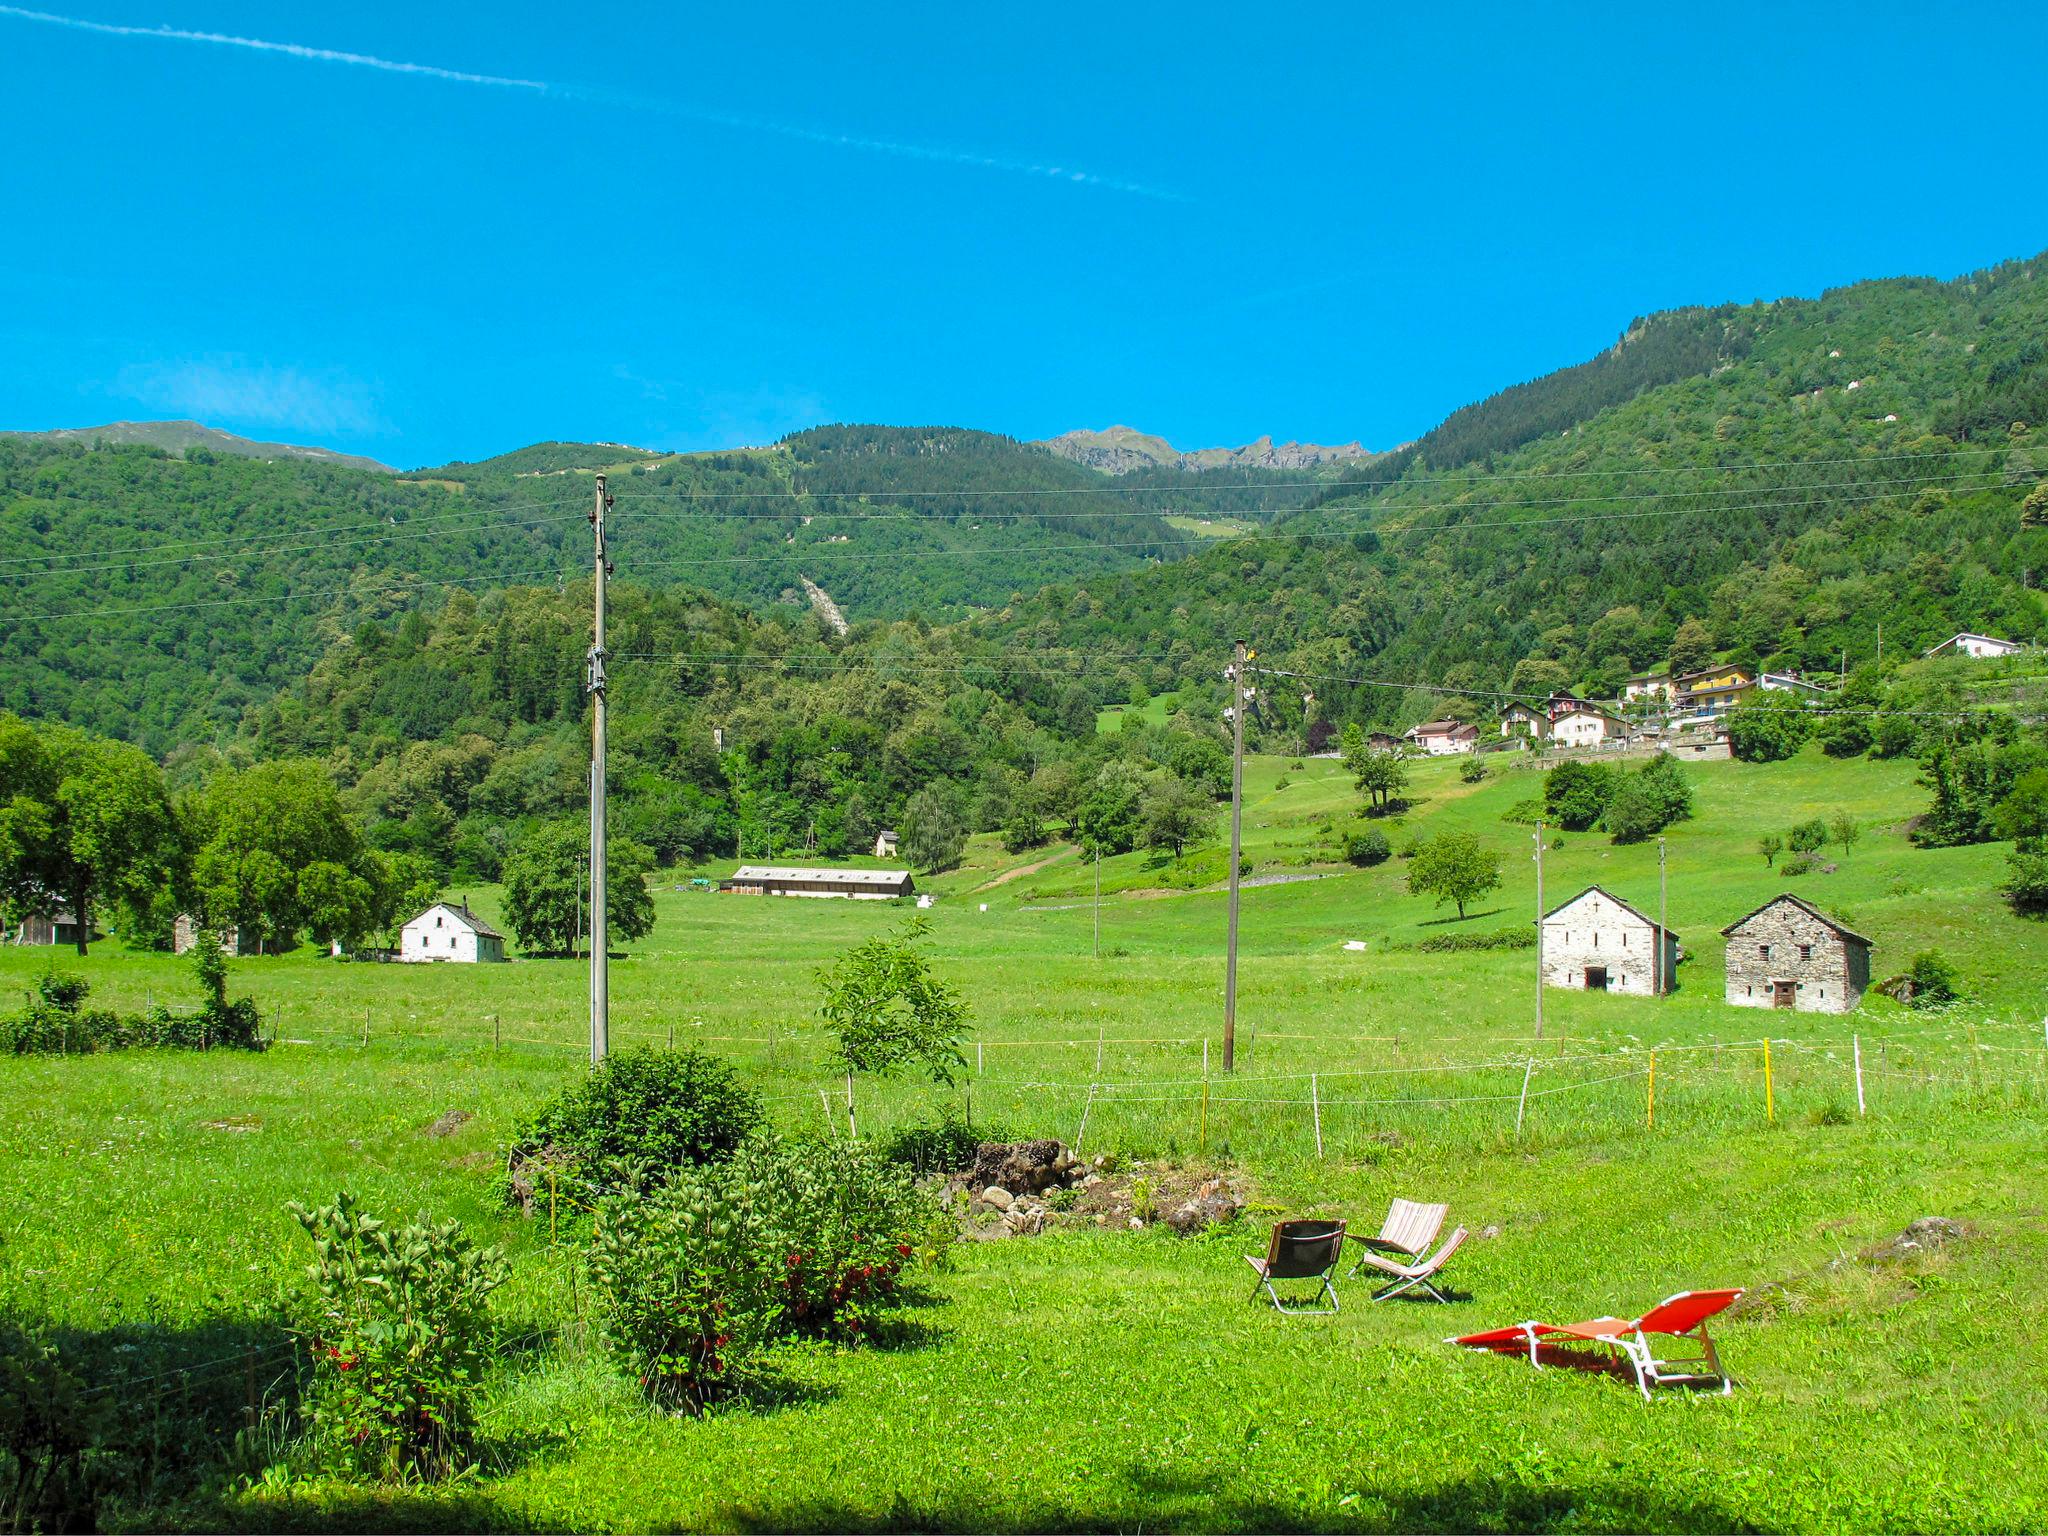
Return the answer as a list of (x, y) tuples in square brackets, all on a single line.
[(1104, 1379)]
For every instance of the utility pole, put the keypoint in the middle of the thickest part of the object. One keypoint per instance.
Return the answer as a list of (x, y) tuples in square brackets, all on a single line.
[(1539, 929), (600, 1020), (1880, 647), (1098, 902), (1237, 696), (1657, 970)]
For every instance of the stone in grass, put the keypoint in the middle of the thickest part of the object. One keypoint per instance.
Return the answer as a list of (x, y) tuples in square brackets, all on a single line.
[(1923, 1235), (1021, 1167), (450, 1123), (997, 1197), (1214, 1203)]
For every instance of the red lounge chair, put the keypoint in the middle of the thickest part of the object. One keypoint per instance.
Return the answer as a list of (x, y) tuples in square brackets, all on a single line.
[(1300, 1250), (1683, 1316)]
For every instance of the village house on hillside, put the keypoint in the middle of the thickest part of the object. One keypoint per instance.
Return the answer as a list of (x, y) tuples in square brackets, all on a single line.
[(59, 927), (1440, 738), (1790, 954), (885, 843), (1980, 646), (447, 931), (1647, 685), (1563, 720), (1524, 720), (1712, 690), (1597, 942), (778, 880), (185, 933)]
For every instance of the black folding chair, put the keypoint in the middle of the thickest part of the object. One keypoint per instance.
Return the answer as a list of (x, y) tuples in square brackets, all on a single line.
[(1300, 1250)]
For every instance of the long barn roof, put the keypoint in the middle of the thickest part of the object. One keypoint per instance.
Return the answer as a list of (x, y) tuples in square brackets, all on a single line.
[(821, 876)]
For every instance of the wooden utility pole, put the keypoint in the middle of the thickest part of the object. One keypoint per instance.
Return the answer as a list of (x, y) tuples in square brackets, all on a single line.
[(1237, 695), (1098, 903), (600, 1019), (1539, 929), (1657, 970)]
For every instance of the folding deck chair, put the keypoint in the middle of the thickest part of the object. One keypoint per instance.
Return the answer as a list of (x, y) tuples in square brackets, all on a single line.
[(1407, 1277), (1683, 1316), (1410, 1227), (1300, 1250)]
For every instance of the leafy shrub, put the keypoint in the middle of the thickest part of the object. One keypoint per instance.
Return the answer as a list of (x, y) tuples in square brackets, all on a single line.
[(1767, 727), (946, 1145), (1502, 938), (1934, 979), (1473, 769), (56, 1021), (399, 1341), (2026, 877), (680, 1293), (641, 1115), (1808, 836), (1800, 864), (1524, 813), (51, 1429), (1575, 794), (787, 1238), (1366, 846)]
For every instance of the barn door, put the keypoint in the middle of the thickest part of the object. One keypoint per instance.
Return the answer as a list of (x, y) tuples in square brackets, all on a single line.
[(1596, 978), (1781, 994)]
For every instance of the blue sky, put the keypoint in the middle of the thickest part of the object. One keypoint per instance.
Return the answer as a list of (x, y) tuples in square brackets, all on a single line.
[(695, 226)]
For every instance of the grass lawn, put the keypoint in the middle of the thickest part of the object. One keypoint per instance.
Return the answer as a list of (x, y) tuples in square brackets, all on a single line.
[(1093, 1378)]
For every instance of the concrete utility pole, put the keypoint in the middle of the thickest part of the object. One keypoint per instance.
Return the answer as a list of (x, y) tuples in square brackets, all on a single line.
[(1237, 697), (600, 1012), (1657, 970), (1098, 903), (1539, 930)]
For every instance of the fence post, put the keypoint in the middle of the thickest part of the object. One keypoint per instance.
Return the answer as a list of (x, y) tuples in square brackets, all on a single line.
[(852, 1125), (551, 1205), (1205, 1095), (366, 1028), (1099, 1027), (497, 1033), (1650, 1108), (671, 1034), (978, 1071), (825, 1104), (1085, 1108), (1856, 1046), (1770, 1107), (1315, 1104), (1522, 1103)]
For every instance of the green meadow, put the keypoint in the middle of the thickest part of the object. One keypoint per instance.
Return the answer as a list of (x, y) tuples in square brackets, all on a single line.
[(1104, 1379)]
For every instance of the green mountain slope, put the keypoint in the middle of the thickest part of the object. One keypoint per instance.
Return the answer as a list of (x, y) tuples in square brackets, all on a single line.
[(156, 597), (1823, 467), (183, 436)]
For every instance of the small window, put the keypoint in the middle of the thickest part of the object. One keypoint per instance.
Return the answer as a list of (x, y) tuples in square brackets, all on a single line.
[(1806, 951), (1764, 951), (437, 923)]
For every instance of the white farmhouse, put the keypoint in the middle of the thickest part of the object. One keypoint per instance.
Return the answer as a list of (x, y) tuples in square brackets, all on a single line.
[(449, 932), (1580, 723), (1967, 644), (1599, 943)]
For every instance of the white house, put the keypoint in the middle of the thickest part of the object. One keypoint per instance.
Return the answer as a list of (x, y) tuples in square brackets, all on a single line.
[(1439, 738), (1647, 685), (1975, 645), (1790, 682), (449, 932), (1578, 723), (886, 843), (1598, 942)]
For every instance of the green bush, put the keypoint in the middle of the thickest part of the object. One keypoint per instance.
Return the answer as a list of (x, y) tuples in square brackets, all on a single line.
[(399, 1339), (57, 1022), (52, 1432), (1649, 800), (786, 1239), (681, 1292), (1575, 794), (1767, 727), (1366, 846), (642, 1115), (945, 1145), (1501, 938), (1934, 979), (1808, 836)]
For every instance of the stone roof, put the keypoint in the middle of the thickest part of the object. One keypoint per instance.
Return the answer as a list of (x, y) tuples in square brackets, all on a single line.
[(1805, 906), (1597, 890)]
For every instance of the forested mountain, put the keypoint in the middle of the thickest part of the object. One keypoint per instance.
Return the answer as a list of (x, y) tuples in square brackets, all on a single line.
[(1811, 470), (157, 597), (178, 436)]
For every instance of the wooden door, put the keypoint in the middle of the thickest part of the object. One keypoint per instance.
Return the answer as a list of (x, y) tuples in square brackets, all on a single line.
[(1781, 994)]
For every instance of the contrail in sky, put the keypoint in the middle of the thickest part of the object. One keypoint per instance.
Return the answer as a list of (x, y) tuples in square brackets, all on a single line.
[(938, 154)]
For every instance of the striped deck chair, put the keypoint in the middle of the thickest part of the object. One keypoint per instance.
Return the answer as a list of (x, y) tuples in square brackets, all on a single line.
[(1410, 1228), (1681, 1317), (1300, 1250), (1406, 1277)]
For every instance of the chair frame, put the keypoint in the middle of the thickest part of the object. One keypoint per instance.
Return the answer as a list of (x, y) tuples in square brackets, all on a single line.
[(1407, 1277), (1334, 1233), (1411, 1226), (1631, 1343)]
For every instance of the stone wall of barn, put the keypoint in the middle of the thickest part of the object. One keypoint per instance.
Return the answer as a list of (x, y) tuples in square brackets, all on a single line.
[(1578, 937), (1766, 950)]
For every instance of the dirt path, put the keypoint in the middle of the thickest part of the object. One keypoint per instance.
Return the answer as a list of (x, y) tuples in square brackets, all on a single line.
[(1019, 872)]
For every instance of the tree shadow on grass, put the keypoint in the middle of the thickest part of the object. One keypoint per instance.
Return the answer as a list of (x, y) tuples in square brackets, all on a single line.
[(1162, 1497), (1469, 917)]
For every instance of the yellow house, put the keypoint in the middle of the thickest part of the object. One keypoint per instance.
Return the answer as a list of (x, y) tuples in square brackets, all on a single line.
[(1714, 690)]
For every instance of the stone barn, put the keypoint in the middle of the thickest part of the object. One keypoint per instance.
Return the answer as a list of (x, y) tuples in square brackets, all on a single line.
[(1597, 942), (1790, 954)]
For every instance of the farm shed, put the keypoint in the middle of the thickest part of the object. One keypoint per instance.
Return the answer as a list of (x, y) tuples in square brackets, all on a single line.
[(778, 880), (447, 931), (885, 843), (59, 927), (1599, 943), (1790, 954)]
